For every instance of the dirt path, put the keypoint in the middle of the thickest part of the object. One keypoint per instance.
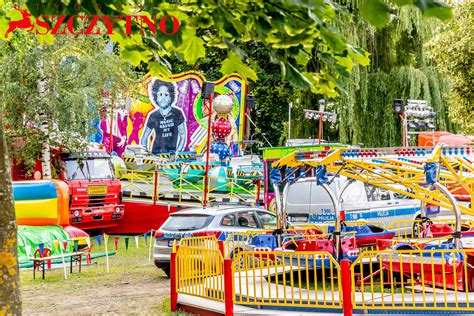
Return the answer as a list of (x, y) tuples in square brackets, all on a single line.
[(131, 294), (132, 286)]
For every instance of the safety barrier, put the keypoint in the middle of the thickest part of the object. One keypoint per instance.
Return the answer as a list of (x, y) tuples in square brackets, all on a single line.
[(425, 279), (430, 277), (139, 184), (199, 268), (182, 187)]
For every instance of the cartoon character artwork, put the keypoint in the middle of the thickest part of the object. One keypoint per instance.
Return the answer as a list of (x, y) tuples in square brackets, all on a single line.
[(167, 115), (138, 122), (119, 131), (167, 122)]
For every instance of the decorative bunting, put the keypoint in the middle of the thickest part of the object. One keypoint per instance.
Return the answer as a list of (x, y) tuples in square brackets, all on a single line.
[(88, 241), (145, 235), (28, 250), (41, 248), (99, 239), (76, 245), (116, 240), (126, 243), (65, 244), (56, 245), (136, 241)]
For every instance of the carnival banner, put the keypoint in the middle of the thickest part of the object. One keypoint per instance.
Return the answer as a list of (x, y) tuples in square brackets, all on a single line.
[(167, 115)]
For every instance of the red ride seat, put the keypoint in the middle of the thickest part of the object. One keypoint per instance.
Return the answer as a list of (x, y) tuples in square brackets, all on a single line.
[(315, 245), (440, 230), (349, 246), (46, 253)]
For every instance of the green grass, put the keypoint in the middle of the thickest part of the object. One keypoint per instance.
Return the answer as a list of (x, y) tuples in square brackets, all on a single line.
[(133, 285)]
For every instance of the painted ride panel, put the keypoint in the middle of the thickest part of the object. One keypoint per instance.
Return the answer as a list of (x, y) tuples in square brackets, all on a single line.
[(141, 217)]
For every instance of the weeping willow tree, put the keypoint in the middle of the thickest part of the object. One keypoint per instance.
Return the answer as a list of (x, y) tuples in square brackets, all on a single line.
[(399, 69)]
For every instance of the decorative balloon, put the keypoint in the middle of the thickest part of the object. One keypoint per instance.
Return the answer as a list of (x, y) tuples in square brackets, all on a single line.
[(221, 149), (223, 104), (221, 127)]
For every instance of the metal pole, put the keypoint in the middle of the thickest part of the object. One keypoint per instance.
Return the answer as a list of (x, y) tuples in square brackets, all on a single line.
[(208, 149), (403, 130), (276, 189), (457, 213), (337, 227), (346, 185), (320, 127), (289, 120), (283, 206)]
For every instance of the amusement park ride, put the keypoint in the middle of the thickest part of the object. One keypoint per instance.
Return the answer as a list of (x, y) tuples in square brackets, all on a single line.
[(432, 269), (430, 174)]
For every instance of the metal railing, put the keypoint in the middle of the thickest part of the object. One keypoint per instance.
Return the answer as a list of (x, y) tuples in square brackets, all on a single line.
[(425, 279), (280, 278), (182, 187), (199, 268), (421, 276)]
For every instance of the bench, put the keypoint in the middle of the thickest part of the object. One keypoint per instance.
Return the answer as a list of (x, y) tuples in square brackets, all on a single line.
[(41, 262)]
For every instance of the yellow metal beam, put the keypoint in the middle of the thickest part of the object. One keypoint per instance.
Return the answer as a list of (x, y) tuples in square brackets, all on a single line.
[(436, 154)]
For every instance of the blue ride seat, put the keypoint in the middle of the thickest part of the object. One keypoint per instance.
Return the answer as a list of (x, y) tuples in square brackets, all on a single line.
[(267, 240)]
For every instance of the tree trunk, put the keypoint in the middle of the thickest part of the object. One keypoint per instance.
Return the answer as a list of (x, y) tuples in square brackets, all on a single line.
[(45, 148), (10, 300), (44, 127)]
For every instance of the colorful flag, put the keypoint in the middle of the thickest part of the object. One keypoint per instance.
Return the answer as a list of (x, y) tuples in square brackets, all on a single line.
[(56, 245), (28, 250), (126, 243), (106, 238), (116, 240), (136, 241), (88, 241), (41, 248), (65, 244), (76, 245), (145, 235), (99, 239)]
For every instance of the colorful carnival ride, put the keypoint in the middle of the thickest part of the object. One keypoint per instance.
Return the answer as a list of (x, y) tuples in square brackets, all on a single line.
[(401, 274)]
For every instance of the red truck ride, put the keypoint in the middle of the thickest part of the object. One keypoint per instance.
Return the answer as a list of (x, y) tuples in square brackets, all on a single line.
[(95, 198)]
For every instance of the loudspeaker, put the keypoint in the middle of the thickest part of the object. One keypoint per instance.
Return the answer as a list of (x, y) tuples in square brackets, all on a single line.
[(207, 90), (398, 106), (250, 102)]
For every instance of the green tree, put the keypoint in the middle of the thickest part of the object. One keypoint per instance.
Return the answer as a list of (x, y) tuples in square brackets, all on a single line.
[(453, 51), (399, 68), (52, 93)]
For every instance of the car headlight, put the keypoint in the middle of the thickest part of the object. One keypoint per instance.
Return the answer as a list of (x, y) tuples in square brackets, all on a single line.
[(76, 213), (117, 210)]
